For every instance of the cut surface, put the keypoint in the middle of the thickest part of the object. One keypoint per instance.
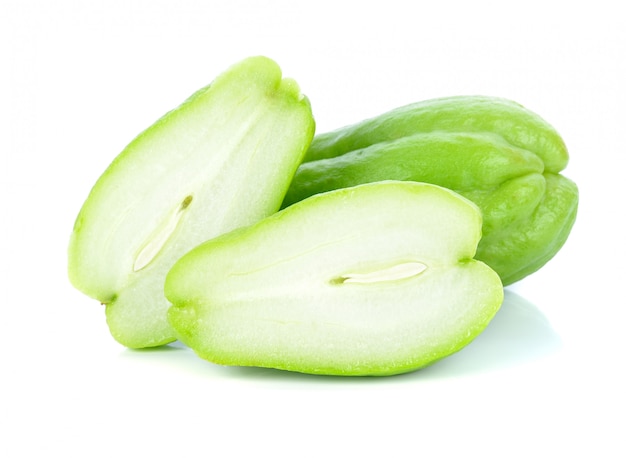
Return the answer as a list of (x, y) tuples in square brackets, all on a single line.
[(221, 160), (372, 280)]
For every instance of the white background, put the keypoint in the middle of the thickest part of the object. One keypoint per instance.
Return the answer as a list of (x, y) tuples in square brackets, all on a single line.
[(79, 80)]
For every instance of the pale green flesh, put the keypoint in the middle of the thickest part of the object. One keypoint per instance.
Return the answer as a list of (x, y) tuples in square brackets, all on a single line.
[(374, 280), (222, 160)]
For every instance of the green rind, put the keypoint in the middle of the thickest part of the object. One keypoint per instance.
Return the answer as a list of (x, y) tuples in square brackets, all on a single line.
[(261, 296), (464, 162), (531, 243), (517, 125), (247, 116)]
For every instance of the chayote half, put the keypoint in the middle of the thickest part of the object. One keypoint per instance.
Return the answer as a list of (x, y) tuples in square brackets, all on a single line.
[(221, 160), (493, 151), (377, 279)]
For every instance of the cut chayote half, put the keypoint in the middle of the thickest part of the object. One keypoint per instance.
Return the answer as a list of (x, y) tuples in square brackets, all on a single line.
[(378, 279), (221, 160)]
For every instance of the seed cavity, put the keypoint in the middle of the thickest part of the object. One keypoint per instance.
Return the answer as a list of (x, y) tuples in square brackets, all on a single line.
[(393, 273), (160, 236)]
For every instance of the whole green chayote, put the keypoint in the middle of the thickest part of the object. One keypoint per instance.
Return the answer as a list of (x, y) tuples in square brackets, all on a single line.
[(493, 151)]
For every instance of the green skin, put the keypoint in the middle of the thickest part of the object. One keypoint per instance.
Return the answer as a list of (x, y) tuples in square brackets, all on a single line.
[(496, 153), (374, 280)]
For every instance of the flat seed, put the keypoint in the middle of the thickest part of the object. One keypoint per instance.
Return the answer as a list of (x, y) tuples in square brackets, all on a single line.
[(393, 273), (160, 236)]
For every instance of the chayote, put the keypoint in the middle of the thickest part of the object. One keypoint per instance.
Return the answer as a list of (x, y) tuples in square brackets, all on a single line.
[(493, 151)]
